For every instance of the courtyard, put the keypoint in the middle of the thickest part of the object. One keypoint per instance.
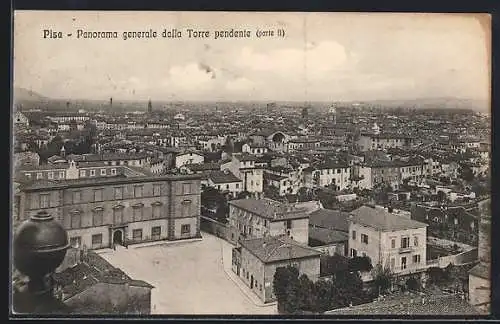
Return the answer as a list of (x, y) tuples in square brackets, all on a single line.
[(189, 277)]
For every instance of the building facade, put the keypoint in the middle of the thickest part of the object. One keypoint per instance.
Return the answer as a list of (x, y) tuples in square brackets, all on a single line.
[(103, 212), (256, 218), (387, 239), (256, 261)]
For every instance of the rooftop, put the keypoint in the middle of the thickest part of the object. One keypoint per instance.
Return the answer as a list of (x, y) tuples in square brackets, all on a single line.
[(270, 209), (272, 249), (96, 182), (225, 176), (330, 219), (94, 269), (411, 304), (382, 220), (327, 236)]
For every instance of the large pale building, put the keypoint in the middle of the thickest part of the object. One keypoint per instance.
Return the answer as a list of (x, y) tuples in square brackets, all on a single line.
[(256, 218), (387, 239), (243, 166), (100, 212)]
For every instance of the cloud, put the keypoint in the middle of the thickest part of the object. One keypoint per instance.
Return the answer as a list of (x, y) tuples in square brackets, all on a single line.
[(313, 61), (192, 76), (240, 84)]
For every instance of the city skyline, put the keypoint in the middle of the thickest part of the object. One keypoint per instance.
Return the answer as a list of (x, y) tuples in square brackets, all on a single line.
[(379, 57)]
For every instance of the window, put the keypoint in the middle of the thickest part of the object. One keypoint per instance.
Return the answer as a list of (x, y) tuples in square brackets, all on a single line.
[(227, 187), (416, 258), (260, 287), (354, 253), (118, 215), (353, 235), (98, 195), (186, 208), (403, 263), (50, 175), (137, 191), (415, 241), (44, 200), (237, 186), (156, 190), (97, 217), (186, 188), (137, 234), (393, 263), (405, 242), (103, 172), (92, 173), (289, 224), (338, 170), (82, 173), (61, 175), (185, 229), (118, 193), (39, 175), (156, 212), (393, 243), (156, 232), (75, 242), (77, 196), (137, 213), (113, 171), (96, 240), (364, 238), (76, 219)]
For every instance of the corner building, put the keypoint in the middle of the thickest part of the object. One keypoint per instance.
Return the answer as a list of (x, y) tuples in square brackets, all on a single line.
[(103, 212)]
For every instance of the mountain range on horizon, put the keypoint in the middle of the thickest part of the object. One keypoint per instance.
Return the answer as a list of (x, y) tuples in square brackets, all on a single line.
[(24, 95)]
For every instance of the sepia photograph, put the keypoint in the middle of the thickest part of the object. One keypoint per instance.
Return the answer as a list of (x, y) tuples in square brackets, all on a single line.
[(250, 163)]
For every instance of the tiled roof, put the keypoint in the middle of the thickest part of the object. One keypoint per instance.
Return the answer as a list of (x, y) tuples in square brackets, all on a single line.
[(269, 208), (327, 236), (203, 166), (245, 157), (383, 220), (271, 249), (101, 181), (330, 219), (225, 176), (411, 305), (273, 177), (482, 270), (93, 270)]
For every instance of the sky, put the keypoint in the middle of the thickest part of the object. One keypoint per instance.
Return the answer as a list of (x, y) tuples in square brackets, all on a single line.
[(323, 56)]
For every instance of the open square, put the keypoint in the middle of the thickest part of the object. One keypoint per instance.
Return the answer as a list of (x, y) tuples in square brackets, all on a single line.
[(189, 277)]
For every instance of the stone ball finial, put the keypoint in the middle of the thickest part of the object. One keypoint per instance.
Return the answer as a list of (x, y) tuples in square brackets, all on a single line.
[(40, 245)]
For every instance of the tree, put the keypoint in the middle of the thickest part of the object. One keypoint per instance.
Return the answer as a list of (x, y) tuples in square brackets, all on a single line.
[(466, 173), (282, 281), (304, 194), (360, 264), (211, 198), (382, 277), (272, 192), (243, 195)]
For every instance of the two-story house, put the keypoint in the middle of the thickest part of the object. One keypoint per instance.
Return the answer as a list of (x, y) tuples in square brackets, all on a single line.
[(387, 239), (255, 218)]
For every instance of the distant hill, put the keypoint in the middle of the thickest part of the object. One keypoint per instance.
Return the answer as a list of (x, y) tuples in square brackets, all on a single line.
[(21, 94)]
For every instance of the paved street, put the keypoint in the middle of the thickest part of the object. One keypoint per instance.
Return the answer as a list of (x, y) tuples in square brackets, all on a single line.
[(189, 278)]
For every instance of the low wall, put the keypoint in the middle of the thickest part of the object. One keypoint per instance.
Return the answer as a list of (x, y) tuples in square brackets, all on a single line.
[(218, 229), (456, 259)]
